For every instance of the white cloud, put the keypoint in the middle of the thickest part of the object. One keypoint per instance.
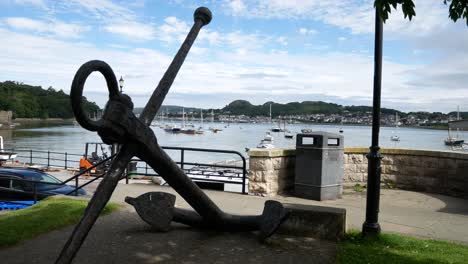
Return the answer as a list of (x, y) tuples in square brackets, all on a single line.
[(236, 6), (173, 29), (355, 15), (306, 31), (38, 3), (282, 41), (133, 31), (103, 9), (54, 27)]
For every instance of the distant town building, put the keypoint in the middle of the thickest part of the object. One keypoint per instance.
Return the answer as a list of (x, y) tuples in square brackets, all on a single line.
[(6, 117)]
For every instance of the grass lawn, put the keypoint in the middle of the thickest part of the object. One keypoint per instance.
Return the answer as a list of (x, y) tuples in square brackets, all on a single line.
[(390, 248), (47, 215)]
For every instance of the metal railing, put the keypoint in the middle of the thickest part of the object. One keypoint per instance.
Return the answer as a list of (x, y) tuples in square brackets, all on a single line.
[(48, 158), (37, 194), (204, 172), (197, 171)]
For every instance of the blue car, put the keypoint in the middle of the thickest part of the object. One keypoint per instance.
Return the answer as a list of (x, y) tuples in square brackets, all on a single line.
[(15, 185)]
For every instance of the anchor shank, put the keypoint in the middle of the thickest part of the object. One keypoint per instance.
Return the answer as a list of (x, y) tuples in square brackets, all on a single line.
[(95, 206), (164, 85), (229, 223)]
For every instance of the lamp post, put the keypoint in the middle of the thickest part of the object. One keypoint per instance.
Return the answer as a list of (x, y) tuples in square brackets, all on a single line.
[(371, 225), (121, 83)]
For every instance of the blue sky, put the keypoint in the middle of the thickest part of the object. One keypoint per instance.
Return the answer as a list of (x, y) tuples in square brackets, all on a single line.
[(257, 50)]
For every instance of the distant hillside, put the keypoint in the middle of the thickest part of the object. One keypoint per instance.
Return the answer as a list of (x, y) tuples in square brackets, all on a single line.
[(171, 109), (26, 101), (239, 107)]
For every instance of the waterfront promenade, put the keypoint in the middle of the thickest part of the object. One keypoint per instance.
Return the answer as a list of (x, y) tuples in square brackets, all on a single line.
[(123, 237)]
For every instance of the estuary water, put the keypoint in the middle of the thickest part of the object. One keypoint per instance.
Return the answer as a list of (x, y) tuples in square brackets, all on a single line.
[(238, 137)]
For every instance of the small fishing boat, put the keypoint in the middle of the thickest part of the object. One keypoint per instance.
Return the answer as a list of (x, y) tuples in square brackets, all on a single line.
[(266, 142), (288, 134)]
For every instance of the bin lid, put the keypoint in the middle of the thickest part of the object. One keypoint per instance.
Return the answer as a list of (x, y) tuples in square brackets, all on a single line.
[(319, 139)]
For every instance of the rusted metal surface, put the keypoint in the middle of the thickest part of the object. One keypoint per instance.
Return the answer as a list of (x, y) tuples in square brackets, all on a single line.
[(120, 126)]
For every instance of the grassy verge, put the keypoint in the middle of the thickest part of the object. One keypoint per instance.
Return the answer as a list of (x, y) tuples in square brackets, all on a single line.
[(49, 214), (390, 248)]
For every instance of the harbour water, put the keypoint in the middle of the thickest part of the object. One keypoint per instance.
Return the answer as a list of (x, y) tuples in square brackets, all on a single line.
[(234, 136)]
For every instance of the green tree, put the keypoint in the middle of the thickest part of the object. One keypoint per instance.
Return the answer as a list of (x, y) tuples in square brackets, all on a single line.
[(458, 9)]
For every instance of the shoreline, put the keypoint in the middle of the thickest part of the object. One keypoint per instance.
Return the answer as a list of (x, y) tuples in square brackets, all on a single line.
[(71, 120)]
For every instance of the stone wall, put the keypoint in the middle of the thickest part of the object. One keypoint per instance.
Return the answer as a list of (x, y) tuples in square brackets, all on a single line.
[(445, 172), (271, 171)]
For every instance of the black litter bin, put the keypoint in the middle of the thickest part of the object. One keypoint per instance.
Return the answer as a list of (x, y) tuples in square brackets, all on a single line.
[(132, 168), (319, 166)]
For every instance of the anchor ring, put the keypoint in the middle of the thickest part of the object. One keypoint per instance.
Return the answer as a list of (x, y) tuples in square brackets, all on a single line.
[(77, 87)]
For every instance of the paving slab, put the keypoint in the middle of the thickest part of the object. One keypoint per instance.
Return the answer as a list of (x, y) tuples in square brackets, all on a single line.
[(405, 212), (122, 237)]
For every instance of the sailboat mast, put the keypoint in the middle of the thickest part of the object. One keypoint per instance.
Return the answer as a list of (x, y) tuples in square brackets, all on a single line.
[(458, 116), (201, 116), (271, 120), (183, 117)]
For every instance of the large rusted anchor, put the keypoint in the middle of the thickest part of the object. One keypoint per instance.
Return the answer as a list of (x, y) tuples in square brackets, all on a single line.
[(120, 126)]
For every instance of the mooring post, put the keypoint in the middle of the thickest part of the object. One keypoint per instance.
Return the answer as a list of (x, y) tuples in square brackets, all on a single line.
[(371, 225)]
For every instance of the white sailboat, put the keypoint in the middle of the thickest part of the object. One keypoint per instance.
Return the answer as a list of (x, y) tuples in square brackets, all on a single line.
[(186, 129), (200, 129), (454, 140), (287, 134), (277, 128), (395, 137), (213, 128)]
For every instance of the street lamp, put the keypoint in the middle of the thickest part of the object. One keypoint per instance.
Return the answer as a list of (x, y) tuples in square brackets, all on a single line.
[(371, 225), (121, 83)]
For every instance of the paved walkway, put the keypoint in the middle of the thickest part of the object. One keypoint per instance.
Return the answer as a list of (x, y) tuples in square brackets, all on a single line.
[(123, 238), (406, 212)]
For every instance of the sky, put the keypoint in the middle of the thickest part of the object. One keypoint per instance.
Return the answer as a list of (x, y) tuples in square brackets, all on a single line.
[(255, 50)]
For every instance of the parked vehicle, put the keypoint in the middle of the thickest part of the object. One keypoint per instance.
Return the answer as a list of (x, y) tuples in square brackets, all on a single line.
[(18, 184)]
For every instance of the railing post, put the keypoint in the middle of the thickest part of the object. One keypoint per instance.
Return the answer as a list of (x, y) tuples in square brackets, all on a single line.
[(48, 158), (30, 157), (182, 159), (76, 186), (126, 172), (66, 160), (34, 193), (244, 172)]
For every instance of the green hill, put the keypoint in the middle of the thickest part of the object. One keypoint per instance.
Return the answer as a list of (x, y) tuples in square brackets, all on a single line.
[(26, 101), (240, 107)]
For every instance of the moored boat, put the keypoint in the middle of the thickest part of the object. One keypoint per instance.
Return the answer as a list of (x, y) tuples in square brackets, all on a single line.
[(266, 142)]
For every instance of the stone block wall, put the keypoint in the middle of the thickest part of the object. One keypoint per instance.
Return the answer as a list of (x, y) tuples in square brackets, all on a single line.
[(271, 171), (444, 172)]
